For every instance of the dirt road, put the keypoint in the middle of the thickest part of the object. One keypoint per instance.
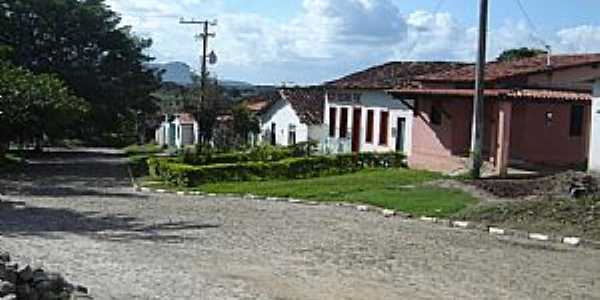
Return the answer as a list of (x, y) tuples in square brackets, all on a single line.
[(75, 213)]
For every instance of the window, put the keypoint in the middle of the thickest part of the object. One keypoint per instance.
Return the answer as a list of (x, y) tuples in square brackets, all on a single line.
[(576, 128), (292, 135), (370, 124), (384, 128), (436, 115), (273, 134), (332, 121), (344, 123)]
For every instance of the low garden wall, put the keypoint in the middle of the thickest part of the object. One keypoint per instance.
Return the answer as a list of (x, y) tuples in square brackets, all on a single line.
[(174, 171)]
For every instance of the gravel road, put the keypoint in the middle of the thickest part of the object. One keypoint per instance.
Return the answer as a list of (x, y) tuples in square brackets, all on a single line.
[(75, 213)]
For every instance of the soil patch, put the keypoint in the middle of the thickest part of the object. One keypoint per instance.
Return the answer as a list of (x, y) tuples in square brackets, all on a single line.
[(562, 185)]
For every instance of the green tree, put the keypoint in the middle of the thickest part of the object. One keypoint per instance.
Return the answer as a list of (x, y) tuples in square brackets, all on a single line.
[(82, 42), (244, 122), (519, 53), (35, 106)]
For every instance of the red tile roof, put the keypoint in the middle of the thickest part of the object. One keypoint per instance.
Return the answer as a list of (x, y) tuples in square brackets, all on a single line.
[(256, 105), (509, 94), (309, 103), (503, 70), (391, 74)]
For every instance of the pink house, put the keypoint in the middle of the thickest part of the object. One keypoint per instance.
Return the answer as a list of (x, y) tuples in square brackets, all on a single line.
[(537, 113)]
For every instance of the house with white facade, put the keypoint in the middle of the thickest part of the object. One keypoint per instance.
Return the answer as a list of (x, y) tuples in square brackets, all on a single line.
[(361, 116), (296, 116), (178, 131)]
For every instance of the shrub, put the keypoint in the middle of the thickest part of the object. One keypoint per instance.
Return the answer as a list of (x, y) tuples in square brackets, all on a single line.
[(185, 175), (263, 153)]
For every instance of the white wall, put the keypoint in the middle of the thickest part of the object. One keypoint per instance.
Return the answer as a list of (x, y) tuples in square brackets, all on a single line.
[(595, 134), (283, 115), (378, 101)]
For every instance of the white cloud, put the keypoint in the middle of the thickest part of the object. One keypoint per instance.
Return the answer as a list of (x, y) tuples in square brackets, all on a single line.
[(326, 38)]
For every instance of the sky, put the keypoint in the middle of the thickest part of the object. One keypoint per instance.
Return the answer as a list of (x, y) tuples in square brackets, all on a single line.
[(312, 41)]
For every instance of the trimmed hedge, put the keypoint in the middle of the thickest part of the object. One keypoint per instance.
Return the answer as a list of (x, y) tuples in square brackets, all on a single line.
[(185, 175), (265, 154)]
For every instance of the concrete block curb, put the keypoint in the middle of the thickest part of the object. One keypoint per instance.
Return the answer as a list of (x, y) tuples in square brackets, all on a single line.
[(181, 193), (161, 191), (539, 237), (428, 219), (573, 241), (496, 231), (295, 201), (461, 224), (388, 213), (362, 208)]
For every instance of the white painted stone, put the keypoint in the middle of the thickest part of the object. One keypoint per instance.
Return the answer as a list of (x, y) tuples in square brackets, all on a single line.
[(196, 193), (428, 219), (295, 201), (313, 203), (574, 241), (498, 231), (388, 213), (161, 191), (272, 199), (362, 208), (212, 195), (181, 193), (460, 224), (539, 237), (145, 190)]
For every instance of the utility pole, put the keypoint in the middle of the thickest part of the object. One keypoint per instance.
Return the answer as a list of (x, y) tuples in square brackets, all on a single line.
[(205, 35), (479, 99)]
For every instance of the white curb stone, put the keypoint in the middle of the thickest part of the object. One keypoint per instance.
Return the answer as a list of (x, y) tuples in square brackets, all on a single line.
[(388, 213), (161, 191), (428, 219), (362, 208), (180, 193), (295, 201), (573, 241), (460, 224), (145, 190), (498, 231), (539, 237), (196, 193), (212, 195)]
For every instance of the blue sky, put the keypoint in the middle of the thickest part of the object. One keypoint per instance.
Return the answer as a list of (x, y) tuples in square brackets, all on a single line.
[(310, 41)]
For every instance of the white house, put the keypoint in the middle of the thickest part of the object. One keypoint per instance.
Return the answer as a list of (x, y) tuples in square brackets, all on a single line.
[(367, 121), (362, 117), (178, 131), (594, 158), (295, 117)]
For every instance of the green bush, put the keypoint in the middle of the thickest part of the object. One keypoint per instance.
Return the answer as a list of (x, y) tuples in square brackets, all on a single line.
[(263, 153), (185, 175)]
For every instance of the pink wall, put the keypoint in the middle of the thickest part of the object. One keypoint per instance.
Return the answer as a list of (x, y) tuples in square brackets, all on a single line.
[(536, 141), (445, 148)]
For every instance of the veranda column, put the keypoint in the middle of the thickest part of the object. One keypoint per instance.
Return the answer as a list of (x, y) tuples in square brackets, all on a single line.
[(594, 157), (503, 151)]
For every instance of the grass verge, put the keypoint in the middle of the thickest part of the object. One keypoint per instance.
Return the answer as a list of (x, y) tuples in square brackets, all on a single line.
[(398, 189), (565, 217)]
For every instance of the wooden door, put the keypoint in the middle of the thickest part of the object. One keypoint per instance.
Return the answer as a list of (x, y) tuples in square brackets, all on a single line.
[(356, 125)]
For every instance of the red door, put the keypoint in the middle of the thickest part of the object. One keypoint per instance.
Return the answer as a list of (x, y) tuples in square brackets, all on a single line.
[(356, 122)]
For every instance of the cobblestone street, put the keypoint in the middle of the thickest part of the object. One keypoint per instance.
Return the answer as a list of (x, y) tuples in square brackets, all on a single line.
[(76, 213)]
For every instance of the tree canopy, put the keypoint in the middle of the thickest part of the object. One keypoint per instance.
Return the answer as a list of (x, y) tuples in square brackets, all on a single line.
[(519, 53), (33, 106), (82, 43)]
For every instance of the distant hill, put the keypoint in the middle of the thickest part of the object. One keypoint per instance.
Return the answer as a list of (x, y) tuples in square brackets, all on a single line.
[(176, 72)]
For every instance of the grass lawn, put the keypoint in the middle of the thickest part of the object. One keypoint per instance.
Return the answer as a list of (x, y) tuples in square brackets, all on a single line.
[(398, 189), (139, 150)]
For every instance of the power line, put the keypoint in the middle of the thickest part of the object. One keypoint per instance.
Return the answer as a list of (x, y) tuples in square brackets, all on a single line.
[(413, 46), (534, 35)]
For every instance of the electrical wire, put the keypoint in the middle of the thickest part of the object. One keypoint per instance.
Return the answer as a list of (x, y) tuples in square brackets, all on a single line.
[(534, 34)]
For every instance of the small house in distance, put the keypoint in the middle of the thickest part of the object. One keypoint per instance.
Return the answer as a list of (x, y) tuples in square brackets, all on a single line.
[(361, 116), (537, 114), (294, 116), (178, 130)]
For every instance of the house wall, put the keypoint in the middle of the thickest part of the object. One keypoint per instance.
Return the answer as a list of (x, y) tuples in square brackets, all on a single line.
[(594, 155), (283, 115), (538, 141), (442, 147), (566, 78), (378, 101)]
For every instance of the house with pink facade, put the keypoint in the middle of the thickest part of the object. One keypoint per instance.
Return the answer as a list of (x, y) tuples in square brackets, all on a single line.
[(538, 113)]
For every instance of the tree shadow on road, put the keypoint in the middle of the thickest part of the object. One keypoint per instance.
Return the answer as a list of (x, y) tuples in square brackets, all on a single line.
[(18, 219)]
